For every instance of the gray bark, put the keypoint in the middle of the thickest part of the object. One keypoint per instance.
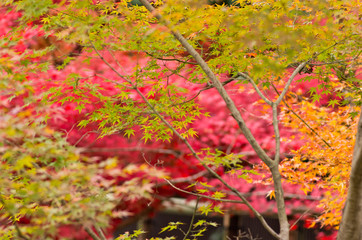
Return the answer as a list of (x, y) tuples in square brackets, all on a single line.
[(351, 226)]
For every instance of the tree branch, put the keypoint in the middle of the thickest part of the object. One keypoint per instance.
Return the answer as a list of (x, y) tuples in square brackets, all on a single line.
[(257, 214), (109, 65), (291, 78), (337, 61), (276, 132), (100, 232), (92, 234), (350, 227), (335, 44), (203, 196), (207, 87), (218, 85), (170, 59), (192, 220), (184, 179), (301, 216), (247, 77), (301, 119), (18, 231), (286, 195), (230, 104)]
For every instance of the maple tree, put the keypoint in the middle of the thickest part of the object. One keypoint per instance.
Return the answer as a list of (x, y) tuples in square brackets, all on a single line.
[(162, 83)]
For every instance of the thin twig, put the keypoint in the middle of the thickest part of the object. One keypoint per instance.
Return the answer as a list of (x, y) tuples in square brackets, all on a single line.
[(337, 61), (247, 77), (207, 87), (192, 219), (18, 231), (112, 81), (291, 78), (116, 60), (169, 59), (203, 196), (335, 44), (185, 179), (301, 119), (300, 218), (83, 136), (108, 64), (174, 72), (91, 233), (192, 193), (286, 195), (232, 144), (100, 232)]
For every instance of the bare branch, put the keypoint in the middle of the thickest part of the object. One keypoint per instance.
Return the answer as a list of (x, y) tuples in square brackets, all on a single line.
[(350, 227), (185, 179), (203, 196), (110, 80), (192, 219), (83, 136), (100, 232), (170, 59), (109, 65), (286, 195), (18, 231), (247, 77), (207, 87), (337, 61), (171, 183), (276, 133), (291, 78), (301, 216), (335, 44), (301, 119), (92, 234)]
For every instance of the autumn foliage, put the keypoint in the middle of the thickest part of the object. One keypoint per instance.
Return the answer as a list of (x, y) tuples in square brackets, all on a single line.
[(105, 116)]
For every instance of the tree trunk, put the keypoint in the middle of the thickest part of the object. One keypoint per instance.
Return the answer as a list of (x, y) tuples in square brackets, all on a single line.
[(351, 226), (279, 197)]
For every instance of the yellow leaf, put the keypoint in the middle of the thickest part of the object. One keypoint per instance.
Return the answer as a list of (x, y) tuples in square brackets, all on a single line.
[(6, 155), (271, 194), (48, 131), (111, 163), (26, 161), (10, 132)]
